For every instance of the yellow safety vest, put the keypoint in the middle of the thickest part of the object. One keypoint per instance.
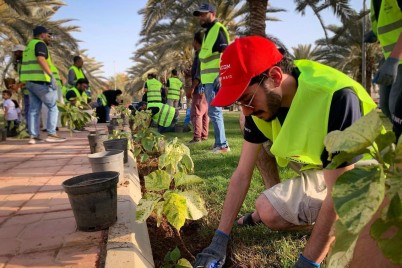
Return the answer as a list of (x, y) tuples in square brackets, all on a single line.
[(388, 27), (83, 96), (103, 99), (30, 69), (165, 115), (56, 75), (154, 90), (301, 137), (174, 88), (78, 74), (210, 61)]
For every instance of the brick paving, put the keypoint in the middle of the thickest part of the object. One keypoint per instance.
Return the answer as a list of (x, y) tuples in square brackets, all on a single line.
[(37, 225)]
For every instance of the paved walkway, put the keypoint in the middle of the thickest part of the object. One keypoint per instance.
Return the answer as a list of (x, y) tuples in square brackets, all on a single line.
[(37, 226)]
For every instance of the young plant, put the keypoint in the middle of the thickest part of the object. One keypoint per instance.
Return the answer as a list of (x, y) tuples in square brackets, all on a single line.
[(358, 193), (119, 134), (167, 190), (173, 260), (72, 116), (147, 141)]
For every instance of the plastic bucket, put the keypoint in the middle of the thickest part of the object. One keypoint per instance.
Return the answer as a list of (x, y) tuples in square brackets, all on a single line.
[(93, 198), (96, 142), (107, 161), (117, 144)]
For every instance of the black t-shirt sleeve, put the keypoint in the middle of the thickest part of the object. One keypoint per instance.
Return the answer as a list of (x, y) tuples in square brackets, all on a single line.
[(154, 110), (221, 42), (345, 109), (168, 83), (41, 50)]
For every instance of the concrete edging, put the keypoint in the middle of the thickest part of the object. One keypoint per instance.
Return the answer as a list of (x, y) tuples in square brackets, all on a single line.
[(128, 242)]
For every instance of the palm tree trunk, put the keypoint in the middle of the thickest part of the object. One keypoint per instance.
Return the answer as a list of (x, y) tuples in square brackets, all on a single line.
[(258, 9)]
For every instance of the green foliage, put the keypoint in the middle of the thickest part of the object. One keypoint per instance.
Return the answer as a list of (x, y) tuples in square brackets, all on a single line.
[(147, 141), (120, 134), (359, 193), (172, 260), (167, 194), (72, 115), (22, 131)]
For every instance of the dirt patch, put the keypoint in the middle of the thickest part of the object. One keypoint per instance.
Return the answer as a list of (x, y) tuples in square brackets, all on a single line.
[(100, 263)]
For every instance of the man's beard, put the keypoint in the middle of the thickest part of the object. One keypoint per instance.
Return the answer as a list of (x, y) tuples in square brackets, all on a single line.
[(274, 102)]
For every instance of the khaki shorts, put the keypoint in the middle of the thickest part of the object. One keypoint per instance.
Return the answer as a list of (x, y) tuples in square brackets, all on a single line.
[(299, 200)]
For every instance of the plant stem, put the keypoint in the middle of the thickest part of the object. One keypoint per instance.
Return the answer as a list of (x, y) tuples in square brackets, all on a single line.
[(183, 244)]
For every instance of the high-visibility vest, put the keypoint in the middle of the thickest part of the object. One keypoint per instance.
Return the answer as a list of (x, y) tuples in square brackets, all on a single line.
[(210, 61), (388, 27), (174, 88), (78, 94), (103, 99), (165, 115), (78, 74), (154, 90), (30, 69), (301, 137), (56, 75)]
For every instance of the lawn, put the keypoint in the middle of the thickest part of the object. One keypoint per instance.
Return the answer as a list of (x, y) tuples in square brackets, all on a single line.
[(250, 246)]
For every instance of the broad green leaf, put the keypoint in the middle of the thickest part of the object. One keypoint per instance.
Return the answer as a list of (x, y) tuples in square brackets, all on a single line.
[(163, 160), (175, 255), (358, 136), (183, 263), (175, 209), (394, 183), (394, 212), (188, 162), (145, 208), (385, 140), (195, 205), (187, 180), (136, 151), (148, 144), (389, 238), (143, 158), (343, 157), (357, 195), (342, 251), (157, 180)]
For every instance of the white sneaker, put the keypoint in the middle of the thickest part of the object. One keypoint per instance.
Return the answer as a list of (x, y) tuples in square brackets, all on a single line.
[(54, 138), (34, 140)]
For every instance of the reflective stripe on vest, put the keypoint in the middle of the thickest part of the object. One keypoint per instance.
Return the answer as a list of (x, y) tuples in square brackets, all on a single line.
[(316, 85), (103, 99), (165, 115), (154, 90), (174, 88), (210, 61), (30, 68), (78, 74), (78, 94), (388, 27)]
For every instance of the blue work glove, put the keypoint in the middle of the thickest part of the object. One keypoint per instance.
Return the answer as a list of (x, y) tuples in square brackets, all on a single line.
[(370, 37), (303, 262), (387, 74), (215, 254), (53, 83)]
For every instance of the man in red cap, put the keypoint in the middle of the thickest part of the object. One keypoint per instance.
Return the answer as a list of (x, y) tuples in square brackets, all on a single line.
[(294, 105)]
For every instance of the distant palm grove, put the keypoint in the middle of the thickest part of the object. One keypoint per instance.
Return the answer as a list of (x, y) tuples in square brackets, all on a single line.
[(167, 31)]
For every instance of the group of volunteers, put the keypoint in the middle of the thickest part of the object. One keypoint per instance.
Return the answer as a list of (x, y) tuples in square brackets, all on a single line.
[(41, 86), (288, 107)]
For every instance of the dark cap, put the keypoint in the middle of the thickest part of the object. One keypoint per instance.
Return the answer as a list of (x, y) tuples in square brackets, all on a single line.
[(205, 7), (39, 29)]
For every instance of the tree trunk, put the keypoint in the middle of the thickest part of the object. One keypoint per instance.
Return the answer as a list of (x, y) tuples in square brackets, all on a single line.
[(258, 9)]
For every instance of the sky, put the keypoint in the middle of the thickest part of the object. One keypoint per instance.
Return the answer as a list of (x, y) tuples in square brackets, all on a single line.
[(110, 29)]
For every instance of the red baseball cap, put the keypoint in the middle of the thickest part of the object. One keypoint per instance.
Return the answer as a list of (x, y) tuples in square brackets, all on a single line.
[(242, 60)]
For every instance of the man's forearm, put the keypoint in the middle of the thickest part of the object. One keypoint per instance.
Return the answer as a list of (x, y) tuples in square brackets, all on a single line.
[(45, 66)]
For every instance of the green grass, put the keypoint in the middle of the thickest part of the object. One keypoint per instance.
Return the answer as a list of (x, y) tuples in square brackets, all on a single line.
[(250, 246)]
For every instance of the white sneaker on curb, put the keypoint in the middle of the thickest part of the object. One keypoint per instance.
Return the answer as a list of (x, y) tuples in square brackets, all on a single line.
[(54, 138)]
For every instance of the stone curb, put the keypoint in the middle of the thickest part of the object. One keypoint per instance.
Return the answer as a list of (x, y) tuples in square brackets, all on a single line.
[(128, 242)]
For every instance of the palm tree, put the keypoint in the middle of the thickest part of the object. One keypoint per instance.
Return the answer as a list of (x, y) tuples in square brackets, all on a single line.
[(340, 8), (306, 52)]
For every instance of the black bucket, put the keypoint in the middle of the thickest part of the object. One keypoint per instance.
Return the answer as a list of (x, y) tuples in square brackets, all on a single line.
[(117, 144), (93, 198)]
